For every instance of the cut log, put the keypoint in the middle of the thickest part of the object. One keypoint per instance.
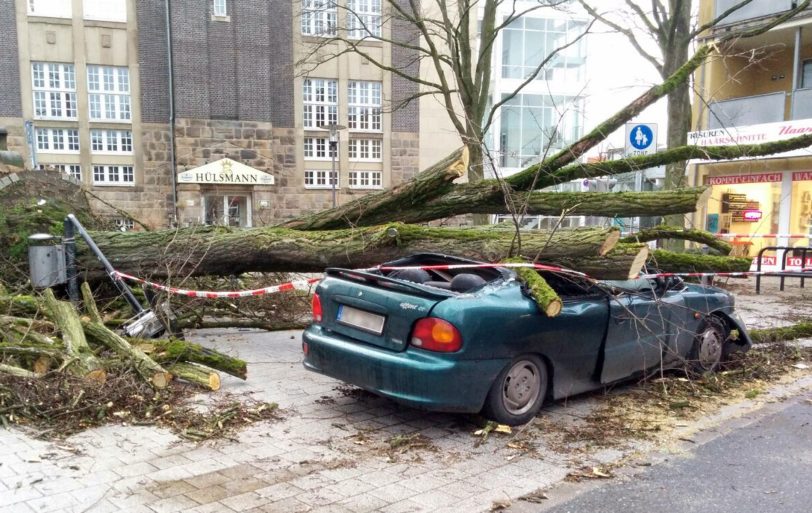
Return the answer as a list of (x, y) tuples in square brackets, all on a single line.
[(35, 351), (204, 377), (212, 250), (669, 261), (624, 262), (783, 333), (542, 293), (384, 206), (19, 305), (174, 351), (146, 367), (669, 232), (42, 365), (73, 337), (16, 371)]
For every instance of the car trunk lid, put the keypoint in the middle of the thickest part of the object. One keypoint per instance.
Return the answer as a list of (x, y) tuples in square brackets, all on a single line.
[(372, 308)]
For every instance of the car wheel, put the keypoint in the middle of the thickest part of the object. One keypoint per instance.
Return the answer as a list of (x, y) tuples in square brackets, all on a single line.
[(709, 349), (518, 391)]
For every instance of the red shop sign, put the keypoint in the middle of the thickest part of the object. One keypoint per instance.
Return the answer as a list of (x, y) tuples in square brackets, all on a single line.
[(800, 176), (744, 179)]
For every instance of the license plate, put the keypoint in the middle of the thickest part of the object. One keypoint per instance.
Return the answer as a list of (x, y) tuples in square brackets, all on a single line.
[(360, 319)]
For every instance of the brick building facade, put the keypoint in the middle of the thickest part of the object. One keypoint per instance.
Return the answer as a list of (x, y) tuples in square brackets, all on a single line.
[(103, 82)]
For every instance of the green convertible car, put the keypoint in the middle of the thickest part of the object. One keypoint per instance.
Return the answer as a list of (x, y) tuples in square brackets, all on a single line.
[(472, 340)]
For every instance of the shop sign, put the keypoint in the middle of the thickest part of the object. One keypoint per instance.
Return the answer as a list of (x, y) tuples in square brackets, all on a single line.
[(751, 215), (773, 263), (801, 176), (226, 172), (745, 179), (750, 134)]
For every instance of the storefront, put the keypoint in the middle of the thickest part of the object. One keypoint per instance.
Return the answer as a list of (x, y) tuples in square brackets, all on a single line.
[(225, 192), (761, 202)]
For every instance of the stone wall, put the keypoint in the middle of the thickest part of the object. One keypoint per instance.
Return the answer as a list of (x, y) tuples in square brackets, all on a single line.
[(10, 99), (405, 156), (150, 201)]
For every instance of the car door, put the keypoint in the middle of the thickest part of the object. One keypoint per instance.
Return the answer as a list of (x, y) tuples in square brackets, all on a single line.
[(638, 332)]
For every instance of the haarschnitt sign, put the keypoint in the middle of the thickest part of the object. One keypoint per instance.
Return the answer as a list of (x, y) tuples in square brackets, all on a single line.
[(226, 172)]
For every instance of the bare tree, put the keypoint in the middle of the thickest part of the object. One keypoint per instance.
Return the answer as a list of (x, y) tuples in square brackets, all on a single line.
[(442, 36), (672, 27)]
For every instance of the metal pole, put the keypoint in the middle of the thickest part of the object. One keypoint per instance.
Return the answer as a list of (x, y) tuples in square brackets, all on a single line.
[(796, 66), (69, 241), (333, 177), (122, 287)]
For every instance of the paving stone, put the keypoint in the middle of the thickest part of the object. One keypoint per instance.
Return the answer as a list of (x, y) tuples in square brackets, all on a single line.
[(214, 507), (434, 498), (392, 492), (165, 489), (245, 501), (243, 485), (405, 506), (279, 491), (135, 469), (52, 502), (363, 503), (208, 494), (173, 460), (290, 505), (206, 480), (172, 504), (320, 497)]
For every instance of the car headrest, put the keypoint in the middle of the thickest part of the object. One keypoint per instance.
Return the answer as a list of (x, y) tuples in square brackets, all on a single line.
[(413, 275), (465, 281)]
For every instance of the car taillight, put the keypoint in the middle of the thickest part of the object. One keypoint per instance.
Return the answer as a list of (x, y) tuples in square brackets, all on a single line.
[(435, 334), (315, 304)]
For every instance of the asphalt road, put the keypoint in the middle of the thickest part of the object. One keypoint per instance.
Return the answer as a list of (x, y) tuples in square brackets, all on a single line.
[(765, 466)]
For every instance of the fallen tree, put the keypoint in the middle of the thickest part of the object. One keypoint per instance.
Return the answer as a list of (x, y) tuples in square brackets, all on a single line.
[(84, 347), (212, 250)]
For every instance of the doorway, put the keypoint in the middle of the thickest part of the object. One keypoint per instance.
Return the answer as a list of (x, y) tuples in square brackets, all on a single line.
[(227, 210)]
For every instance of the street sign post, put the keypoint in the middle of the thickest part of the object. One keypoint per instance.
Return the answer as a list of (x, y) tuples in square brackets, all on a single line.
[(641, 139)]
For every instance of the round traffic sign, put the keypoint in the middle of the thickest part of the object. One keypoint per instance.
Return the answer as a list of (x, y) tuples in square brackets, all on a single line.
[(641, 137)]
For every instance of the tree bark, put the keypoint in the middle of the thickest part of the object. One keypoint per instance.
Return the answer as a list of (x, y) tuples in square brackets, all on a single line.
[(669, 232), (174, 351), (146, 367), (669, 261), (542, 293), (224, 251), (203, 377), (16, 371), (73, 337)]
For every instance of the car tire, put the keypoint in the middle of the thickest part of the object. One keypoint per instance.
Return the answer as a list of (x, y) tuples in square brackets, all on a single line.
[(710, 346), (518, 392)]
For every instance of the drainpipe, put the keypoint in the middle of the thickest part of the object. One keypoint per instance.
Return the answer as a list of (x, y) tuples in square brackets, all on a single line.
[(172, 148), (796, 71)]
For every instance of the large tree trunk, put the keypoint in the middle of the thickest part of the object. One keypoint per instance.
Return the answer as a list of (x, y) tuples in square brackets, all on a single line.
[(224, 251)]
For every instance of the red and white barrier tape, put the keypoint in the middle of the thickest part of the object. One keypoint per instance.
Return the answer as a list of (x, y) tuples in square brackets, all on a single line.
[(741, 274), (297, 284), (763, 236)]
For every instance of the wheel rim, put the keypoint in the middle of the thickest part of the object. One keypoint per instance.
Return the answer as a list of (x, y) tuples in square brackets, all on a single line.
[(522, 387), (710, 348)]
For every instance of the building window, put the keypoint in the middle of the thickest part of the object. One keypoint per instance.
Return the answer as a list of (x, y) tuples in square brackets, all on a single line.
[(527, 41), (365, 180), (365, 150), (317, 148), (72, 170), (50, 8), (319, 17), (54, 88), (105, 10), (108, 93), (320, 100), (806, 74), (111, 141), (534, 125), (113, 175), (220, 8), (318, 180), (58, 140), (364, 102), (363, 18)]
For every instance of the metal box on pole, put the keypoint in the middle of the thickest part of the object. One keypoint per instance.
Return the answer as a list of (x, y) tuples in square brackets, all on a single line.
[(46, 260)]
